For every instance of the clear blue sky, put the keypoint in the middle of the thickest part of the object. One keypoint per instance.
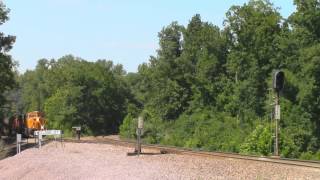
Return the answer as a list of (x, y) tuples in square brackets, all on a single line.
[(124, 31)]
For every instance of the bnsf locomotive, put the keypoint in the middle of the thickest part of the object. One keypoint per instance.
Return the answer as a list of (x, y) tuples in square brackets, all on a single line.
[(25, 125)]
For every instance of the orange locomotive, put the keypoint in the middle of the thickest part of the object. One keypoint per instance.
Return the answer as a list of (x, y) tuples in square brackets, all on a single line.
[(34, 121), (22, 124)]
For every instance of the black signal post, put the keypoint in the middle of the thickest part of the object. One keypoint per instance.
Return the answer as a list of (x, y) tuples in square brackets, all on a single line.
[(278, 84)]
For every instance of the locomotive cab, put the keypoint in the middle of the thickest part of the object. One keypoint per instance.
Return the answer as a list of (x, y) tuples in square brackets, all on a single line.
[(34, 121)]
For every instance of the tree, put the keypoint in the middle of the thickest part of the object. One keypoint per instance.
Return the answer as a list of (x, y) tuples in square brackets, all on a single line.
[(306, 21), (167, 97), (61, 108), (253, 30), (7, 80), (35, 89), (73, 92), (310, 90), (205, 55)]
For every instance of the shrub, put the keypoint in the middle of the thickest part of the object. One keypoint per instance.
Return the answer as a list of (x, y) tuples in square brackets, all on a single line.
[(258, 142)]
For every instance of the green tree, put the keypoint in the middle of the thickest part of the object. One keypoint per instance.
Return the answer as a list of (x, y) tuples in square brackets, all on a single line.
[(7, 79), (204, 56), (61, 108), (72, 92), (34, 87), (165, 93), (306, 21), (253, 30)]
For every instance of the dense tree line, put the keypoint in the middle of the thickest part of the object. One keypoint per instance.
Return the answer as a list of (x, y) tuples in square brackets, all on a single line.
[(75, 92), (7, 70), (209, 88), (6, 64)]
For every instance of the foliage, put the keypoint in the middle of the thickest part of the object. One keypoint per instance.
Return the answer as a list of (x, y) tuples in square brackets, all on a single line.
[(209, 88), (258, 142), (208, 130), (7, 75), (128, 127), (73, 92)]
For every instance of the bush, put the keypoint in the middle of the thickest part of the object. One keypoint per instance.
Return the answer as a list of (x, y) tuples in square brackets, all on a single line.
[(310, 156), (306, 156), (128, 127), (154, 130), (206, 130), (258, 142)]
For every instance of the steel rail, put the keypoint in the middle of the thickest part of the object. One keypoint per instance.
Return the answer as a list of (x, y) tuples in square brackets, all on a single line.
[(24, 145), (179, 150)]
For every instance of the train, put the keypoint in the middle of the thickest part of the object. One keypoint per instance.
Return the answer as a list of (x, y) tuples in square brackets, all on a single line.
[(24, 124)]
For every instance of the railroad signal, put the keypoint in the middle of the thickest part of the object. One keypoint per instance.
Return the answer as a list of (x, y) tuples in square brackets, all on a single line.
[(278, 84), (278, 80)]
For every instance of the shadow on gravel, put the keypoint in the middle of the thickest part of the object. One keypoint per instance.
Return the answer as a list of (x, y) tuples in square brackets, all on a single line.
[(10, 149), (142, 154)]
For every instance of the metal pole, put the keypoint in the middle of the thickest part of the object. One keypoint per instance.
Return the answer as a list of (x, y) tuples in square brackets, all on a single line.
[(18, 143), (78, 135), (276, 145), (39, 139), (138, 147), (140, 127), (139, 141), (61, 138)]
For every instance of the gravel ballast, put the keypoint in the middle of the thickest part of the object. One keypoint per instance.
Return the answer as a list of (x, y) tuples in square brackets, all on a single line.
[(101, 161)]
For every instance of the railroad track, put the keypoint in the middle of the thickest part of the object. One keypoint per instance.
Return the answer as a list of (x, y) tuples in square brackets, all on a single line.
[(178, 150), (11, 148)]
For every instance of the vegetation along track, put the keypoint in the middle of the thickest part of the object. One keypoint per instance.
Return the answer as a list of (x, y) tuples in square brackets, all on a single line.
[(179, 150)]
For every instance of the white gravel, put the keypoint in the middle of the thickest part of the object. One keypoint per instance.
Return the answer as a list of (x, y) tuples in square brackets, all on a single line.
[(98, 161)]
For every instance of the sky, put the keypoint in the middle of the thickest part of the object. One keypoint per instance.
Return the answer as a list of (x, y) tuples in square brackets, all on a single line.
[(124, 31)]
